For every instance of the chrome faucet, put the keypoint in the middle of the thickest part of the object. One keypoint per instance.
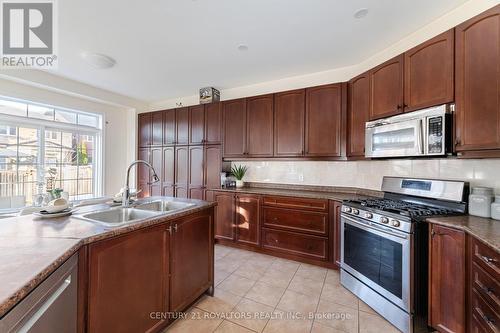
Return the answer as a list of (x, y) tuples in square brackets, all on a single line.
[(126, 189)]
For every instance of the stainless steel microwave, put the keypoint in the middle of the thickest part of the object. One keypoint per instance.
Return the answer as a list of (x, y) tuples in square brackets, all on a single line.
[(425, 132)]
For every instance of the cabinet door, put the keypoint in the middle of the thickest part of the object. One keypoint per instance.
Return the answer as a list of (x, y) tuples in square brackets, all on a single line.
[(182, 125), (144, 129), (477, 82), (247, 219), (358, 114), (289, 118), (197, 193), (181, 165), (191, 259), (323, 120), (335, 246), (125, 285), (197, 124), (235, 123), (143, 174), (386, 88), (196, 166), (157, 163), (213, 166), (169, 191), (168, 166), (181, 191), (157, 128), (224, 215), (447, 279), (169, 127), (260, 117), (213, 122), (429, 78)]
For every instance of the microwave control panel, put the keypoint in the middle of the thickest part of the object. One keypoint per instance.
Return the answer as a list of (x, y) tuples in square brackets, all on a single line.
[(435, 135)]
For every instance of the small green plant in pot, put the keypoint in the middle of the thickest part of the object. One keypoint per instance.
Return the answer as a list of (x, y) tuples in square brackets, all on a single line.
[(239, 171)]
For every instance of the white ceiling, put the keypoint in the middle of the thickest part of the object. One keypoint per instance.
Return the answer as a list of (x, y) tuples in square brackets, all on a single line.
[(171, 48)]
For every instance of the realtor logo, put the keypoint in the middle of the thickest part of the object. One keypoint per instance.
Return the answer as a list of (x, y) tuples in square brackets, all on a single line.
[(28, 34)]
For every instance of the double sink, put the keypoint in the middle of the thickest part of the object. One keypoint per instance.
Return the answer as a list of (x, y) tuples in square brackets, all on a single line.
[(140, 211)]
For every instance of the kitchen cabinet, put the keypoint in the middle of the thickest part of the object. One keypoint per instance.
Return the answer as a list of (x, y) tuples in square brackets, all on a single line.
[(197, 193), (182, 125), (224, 215), (386, 88), (191, 259), (144, 129), (168, 177), (335, 232), (125, 285), (157, 128), (446, 279), (289, 119), (212, 166), (324, 120), (196, 124), (195, 177), (259, 141), (429, 72), (181, 191), (181, 165), (358, 114), (247, 219), (169, 126), (295, 244), (477, 70), (235, 123), (213, 121), (143, 174), (156, 160)]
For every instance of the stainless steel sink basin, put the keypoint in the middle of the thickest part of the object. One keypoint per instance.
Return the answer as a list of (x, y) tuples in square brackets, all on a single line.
[(164, 206), (118, 216)]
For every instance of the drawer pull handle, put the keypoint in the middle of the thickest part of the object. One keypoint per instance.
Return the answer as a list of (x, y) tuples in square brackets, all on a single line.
[(489, 320), (489, 290), (488, 259)]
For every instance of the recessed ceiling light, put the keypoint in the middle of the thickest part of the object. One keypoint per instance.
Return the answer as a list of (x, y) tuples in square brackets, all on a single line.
[(360, 13), (242, 47), (98, 61)]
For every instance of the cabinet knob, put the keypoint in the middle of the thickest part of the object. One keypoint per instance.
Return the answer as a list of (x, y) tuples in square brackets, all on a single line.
[(488, 259), (399, 107)]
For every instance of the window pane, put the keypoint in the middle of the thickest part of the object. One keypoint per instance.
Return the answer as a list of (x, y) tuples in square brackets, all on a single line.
[(13, 108), (85, 189), (28, 136), (69, 171), (28, 154), (40, 112), (88, 120), (70, 186), (85, 171), (65, 117)]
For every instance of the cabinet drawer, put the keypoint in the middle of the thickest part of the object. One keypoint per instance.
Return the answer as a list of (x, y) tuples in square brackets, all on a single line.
[(484, 315), (486, 286), (297, 203), (298, 244), (486, 257), (295, 220)]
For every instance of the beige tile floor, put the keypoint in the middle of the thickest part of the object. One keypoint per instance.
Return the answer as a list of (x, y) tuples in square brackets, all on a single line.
[(260, 293)]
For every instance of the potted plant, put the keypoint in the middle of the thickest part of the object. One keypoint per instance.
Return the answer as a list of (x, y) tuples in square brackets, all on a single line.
[(239, 171)]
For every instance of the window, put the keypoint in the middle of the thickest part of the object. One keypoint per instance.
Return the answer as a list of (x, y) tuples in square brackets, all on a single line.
[(47, 148)]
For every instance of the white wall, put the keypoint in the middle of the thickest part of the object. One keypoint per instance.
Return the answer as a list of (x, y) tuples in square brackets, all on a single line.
[(368, 174), (442, 24)]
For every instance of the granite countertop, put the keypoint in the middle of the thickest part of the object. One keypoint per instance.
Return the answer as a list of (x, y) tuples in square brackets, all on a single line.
[(485, 230), (31, 249)]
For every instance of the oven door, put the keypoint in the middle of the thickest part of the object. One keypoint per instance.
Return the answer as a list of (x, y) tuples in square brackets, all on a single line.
[(378, 256), (404, 138)]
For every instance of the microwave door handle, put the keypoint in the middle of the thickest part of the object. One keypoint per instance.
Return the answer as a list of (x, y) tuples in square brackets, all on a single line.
[(420, 137)]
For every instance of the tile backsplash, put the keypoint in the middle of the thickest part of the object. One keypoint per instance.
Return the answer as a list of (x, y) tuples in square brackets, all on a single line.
[(368, 174)]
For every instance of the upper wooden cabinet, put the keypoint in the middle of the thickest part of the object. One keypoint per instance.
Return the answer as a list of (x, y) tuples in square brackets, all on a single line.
[(358, 114), (235, 123), (157, 128), (212, 166), (213, 121), (195, 177), (324, 120), (197, 124), (169, 127), (428, 78), (386, 88), (181, 165), (446, 294), (182, 126), (259, 141), (144, 129), (289, 120), (477, 70)]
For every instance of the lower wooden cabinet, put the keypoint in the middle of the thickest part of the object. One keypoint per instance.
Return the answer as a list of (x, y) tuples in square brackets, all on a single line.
[(335, 232), (297, 244), (224, 215), (247, 219), (447, 288)]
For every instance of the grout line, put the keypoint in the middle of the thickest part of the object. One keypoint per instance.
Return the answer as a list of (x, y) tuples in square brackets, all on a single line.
[(319, 300)]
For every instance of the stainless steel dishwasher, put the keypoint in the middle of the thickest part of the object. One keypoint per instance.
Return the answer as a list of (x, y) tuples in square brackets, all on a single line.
[(50, 307)]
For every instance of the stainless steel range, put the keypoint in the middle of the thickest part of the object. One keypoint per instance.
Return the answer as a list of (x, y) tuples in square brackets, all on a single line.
[(384, 246)]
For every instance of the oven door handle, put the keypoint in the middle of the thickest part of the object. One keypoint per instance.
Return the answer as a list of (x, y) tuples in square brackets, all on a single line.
[(373, 226)]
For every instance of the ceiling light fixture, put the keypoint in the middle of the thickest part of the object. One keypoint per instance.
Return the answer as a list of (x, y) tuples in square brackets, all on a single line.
[(98, 61), (242, 47), (360, 13)]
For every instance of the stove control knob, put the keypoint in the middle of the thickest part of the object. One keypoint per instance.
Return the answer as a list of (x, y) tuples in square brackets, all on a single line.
[(384, 220), (368, 215), (347, 209), (355, 211), (395, 223)]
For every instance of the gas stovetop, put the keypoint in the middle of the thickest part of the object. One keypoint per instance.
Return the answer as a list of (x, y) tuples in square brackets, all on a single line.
[(404, 208)]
